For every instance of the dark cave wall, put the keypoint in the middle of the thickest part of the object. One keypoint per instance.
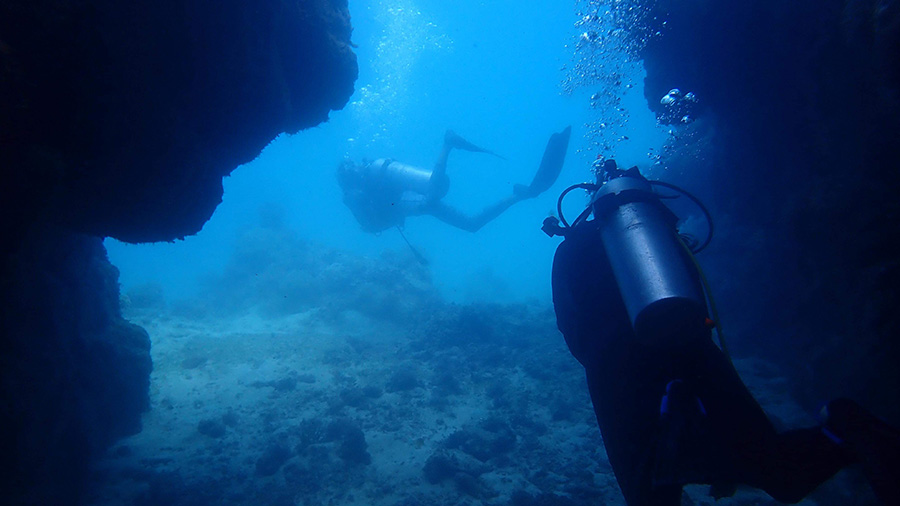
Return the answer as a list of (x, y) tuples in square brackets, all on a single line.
[(120, 119), (74, 376), (131, 112), (805, 97)]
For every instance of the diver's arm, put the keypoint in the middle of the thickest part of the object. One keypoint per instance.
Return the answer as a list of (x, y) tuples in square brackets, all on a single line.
[(453, 216)]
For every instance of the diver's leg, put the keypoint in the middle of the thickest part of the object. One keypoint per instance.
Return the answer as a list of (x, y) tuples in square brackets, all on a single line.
[(439, 181), (787, 466), (440, 166), (798, 461), (451, 140), (624, 382), (459, 143), (453, 216), (625, 391)]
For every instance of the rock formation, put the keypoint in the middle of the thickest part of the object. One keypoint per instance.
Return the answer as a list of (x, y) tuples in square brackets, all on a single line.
[(805, 97), (119, 119)]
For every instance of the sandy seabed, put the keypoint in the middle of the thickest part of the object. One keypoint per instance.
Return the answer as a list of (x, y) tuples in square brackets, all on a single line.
[(309, 409)]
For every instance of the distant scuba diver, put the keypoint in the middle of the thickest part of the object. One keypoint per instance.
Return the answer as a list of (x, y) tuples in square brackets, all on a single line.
[(383, 193), (672, 410)]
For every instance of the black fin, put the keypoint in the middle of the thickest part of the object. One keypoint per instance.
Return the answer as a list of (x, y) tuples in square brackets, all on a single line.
[(874, 443), (455, 141), (551, 163)]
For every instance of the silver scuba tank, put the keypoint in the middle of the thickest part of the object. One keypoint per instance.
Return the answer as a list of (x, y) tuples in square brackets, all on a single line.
[(657, 279), (401, 176)]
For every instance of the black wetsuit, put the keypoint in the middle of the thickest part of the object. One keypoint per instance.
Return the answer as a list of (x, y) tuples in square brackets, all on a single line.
[(730, 441)]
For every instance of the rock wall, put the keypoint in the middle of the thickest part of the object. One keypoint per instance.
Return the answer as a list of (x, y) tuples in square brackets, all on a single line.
[(120, 119), (805, 97), (74, 376)]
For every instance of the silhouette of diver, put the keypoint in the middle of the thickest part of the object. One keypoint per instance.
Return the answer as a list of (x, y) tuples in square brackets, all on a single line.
[(383, 193), (670, 405)]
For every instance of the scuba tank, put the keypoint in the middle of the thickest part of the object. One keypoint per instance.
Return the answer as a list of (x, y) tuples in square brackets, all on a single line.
[(401, 176), (658, 281)]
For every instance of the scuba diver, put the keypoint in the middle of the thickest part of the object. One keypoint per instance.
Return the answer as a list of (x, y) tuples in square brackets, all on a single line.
[(382, 193), (672, 410)]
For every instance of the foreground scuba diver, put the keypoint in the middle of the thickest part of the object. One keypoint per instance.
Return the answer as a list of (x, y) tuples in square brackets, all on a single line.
[(672, 410), (381, 194)]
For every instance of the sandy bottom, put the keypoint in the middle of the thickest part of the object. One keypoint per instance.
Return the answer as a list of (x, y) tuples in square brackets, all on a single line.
[(303, 410)]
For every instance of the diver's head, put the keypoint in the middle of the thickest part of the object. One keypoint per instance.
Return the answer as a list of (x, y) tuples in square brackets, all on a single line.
[(349, 174), (604, 170)]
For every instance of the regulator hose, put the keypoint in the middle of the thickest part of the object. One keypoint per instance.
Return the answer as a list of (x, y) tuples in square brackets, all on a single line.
[(713, 309), (584, 214), (702, 207), (594, 187)]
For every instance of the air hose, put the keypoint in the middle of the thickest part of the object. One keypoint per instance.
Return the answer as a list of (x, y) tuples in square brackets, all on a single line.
[(584, 214), (422, 260), (594, 187), (713, 309), (702, 207)]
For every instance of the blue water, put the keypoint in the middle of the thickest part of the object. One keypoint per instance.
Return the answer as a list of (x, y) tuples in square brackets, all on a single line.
[(504, 75), (501, 74)]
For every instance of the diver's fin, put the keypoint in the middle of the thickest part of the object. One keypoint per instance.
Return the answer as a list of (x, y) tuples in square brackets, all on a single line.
[(874, 443), (455, 141), (551, 163)]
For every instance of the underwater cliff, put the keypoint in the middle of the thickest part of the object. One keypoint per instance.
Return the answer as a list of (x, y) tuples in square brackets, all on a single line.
[(805, 99), (120, 119)]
